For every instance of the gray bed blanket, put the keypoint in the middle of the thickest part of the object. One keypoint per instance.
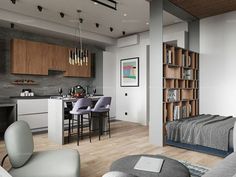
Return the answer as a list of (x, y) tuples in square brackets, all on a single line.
[(206, 130)]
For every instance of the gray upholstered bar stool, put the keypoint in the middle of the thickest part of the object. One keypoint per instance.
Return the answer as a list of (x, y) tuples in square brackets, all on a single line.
[(82, 107), (101, 111)]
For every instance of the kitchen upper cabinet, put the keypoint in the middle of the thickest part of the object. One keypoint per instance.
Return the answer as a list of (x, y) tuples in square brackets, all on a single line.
[(57, 56), (37, 63), (18, 56), (28, 57), (36, 58)]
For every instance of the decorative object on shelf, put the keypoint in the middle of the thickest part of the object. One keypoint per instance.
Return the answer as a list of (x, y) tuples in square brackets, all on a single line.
[(24, 82), (78, 56), (129, 72)]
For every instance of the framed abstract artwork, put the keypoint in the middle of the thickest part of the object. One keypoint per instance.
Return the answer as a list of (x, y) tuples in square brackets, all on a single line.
[(129, 72)]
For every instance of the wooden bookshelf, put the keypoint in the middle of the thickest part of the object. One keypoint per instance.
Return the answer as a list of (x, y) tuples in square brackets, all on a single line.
[(180, 83)]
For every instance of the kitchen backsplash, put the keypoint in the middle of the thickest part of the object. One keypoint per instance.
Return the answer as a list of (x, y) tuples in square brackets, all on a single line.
[(47, 85)]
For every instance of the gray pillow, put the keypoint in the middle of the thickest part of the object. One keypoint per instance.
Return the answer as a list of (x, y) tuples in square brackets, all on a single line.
[(117, 174), (19, 143)]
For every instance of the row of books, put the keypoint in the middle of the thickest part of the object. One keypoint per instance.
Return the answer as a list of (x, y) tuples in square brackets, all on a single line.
[(181, 112), (186, 60)]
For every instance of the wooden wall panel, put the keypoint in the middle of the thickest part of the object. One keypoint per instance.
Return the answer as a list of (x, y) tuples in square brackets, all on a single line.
[(206, 8)]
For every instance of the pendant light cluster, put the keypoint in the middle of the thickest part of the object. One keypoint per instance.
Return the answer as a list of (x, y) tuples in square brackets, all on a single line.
[(79, 55)]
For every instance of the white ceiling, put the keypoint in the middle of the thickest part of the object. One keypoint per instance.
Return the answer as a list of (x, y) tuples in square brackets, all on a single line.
[(137, 14)]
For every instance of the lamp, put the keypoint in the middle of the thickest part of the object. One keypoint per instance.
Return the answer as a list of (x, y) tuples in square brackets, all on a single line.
[(78, 55)]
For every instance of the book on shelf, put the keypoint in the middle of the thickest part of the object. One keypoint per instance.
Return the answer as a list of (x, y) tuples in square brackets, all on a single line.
[(177, 113), (189, 61), (173, 95), (183, 60), (190, 109), (184, 111)]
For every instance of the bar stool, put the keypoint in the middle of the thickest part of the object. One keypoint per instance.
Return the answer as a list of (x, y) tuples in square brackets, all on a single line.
[(68, 106), (82, 107), (102, 107)]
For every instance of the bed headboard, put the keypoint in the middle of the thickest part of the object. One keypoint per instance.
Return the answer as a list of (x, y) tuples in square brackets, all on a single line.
[(234, 137)]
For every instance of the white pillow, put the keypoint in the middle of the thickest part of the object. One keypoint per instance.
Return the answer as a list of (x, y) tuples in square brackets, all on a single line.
[(4, 173)]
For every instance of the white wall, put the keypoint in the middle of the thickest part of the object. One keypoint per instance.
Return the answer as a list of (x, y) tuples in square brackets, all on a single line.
[(176, 32), (136, 103), (217, 64)]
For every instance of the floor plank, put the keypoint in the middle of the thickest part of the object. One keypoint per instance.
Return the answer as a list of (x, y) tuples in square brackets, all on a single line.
[(127, 139)]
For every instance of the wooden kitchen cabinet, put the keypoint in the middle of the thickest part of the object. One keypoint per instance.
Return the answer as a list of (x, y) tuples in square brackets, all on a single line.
[(57, 56), (37, 62), (18, 57), (36, 58), (28, 57)]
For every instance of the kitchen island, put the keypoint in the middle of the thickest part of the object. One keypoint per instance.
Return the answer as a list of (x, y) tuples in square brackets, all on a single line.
[(56, 122)]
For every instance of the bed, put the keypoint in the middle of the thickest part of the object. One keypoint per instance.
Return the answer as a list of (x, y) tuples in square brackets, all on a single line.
[(207, 133)]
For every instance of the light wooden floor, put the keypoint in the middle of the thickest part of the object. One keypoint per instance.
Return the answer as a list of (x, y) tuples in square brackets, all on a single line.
[(127, 138)]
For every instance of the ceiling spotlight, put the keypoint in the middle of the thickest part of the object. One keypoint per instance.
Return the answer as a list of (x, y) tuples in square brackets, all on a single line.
[(147, 23), (12, 25), (95, 3), (111, 29), (40, 8), (81, 20), (123, 32), (125, 14), (13, 1), (62, 14), (97, 25)]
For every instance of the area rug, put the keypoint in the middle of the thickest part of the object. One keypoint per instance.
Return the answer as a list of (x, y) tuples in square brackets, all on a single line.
[(195, 170)]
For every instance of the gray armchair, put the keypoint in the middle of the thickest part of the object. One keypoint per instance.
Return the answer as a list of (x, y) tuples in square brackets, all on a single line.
[(26, 163)]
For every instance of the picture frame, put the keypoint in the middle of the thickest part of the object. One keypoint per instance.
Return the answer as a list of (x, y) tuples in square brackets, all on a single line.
[(129, 72)]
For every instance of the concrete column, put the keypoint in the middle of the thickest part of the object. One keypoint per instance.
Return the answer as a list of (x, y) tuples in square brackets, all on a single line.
[(194, 38), (155, 73)]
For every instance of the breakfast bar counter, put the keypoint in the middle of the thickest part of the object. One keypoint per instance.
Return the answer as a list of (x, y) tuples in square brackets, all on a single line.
[(56, 118)]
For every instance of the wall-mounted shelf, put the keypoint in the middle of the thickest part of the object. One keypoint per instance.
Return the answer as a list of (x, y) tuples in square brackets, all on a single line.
[(24, 82)]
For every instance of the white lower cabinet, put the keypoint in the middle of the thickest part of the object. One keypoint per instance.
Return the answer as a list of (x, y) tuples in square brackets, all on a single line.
[(34, 112)]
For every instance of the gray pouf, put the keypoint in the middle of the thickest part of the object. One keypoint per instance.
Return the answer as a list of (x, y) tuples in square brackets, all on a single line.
[(117, 174), (170, 167)]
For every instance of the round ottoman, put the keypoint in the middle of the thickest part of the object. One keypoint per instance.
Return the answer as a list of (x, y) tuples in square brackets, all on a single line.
[(170, 167)]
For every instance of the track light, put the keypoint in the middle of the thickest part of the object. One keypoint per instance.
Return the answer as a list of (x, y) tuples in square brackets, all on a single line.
[(40, 8), (62, 14), (111, 29), (81, 20), (123, 32), (97, 25), (12, 25), (13, 1)]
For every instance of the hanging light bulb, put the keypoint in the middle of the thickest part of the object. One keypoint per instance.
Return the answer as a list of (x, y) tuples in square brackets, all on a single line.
[(78, 56)]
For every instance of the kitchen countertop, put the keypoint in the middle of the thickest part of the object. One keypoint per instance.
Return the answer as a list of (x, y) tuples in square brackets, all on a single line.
[(32, 97), (96, 96), (6, 102)]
